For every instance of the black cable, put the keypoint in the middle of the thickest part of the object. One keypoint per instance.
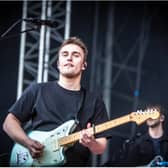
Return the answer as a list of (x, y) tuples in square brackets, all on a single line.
[(3, 154), (11, 27), (3, 36)]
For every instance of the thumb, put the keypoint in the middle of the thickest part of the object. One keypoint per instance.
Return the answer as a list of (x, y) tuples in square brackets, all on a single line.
[(88, 125)]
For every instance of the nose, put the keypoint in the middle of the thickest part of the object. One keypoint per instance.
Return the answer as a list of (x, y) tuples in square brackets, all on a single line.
[(69, 58)]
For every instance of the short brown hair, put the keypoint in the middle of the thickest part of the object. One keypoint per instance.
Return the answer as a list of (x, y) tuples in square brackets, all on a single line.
[(158, 107), (76, 41)]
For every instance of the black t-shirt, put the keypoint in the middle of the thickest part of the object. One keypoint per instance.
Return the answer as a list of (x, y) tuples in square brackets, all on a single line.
[(48, 105), (156, 145), (143, 150)]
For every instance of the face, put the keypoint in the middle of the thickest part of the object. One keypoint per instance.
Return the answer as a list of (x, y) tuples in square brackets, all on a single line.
[(155, 122), (71, 61)]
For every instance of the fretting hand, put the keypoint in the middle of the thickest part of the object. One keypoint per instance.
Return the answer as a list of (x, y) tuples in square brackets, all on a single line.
[(86, 137)]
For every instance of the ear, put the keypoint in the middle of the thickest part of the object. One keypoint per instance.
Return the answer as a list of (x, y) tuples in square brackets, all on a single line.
[(57, 63), (162, 117), (84, 65)]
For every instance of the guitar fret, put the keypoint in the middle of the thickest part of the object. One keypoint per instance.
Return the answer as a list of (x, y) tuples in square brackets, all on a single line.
[(110, 124), (69, 139)]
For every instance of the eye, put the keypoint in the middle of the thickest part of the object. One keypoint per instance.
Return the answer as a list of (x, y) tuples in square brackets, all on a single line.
[(64, 54), (76, 54)]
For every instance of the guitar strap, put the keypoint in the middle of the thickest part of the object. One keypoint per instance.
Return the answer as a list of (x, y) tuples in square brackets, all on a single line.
[(81, 105)]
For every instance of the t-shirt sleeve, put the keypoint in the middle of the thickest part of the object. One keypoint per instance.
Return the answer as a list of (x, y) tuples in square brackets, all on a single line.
[(23, 107), (101, 117)]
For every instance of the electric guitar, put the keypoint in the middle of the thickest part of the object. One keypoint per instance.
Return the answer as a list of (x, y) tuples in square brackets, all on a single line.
[(56, 140)]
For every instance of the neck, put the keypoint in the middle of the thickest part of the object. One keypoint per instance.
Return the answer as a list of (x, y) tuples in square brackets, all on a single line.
[(156, 132), (69, 83)]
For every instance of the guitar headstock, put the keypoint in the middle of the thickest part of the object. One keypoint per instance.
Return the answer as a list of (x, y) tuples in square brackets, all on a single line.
[(141, 116)]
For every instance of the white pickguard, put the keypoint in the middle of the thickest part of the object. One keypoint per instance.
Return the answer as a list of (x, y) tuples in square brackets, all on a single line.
[(53, 152)]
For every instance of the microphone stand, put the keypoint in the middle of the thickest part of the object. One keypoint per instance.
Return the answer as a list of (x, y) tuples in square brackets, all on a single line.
[(3, 36)]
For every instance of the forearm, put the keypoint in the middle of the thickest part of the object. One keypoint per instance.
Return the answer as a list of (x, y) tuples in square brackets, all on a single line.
[(98, 146), (13, 128)]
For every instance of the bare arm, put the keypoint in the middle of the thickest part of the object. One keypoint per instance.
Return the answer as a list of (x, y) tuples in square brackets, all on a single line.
[(12, 127), (96, 145)]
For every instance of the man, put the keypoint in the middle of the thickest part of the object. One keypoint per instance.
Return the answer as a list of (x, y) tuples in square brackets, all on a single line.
[(152, 145), (48, 105)]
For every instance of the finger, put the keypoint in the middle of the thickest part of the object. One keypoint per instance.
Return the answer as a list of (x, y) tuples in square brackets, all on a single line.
[(37, 145), (83, 137), (85, 134), (36, 153), (88, 125)]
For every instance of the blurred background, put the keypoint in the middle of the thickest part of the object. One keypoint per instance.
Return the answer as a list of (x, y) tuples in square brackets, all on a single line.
[(127, 61)]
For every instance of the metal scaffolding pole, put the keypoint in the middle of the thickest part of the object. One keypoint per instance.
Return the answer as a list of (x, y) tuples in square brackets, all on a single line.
[(42, 44), (47, 44), (143, 42), (107, 92), (68, 19), (38, 48), (109, 59), (94, 48), (22, 51)]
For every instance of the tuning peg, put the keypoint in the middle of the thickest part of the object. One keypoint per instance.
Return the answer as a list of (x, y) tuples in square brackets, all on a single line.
[(140, 111)]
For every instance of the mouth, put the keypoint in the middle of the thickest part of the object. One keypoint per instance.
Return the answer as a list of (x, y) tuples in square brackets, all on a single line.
[(68, 65)]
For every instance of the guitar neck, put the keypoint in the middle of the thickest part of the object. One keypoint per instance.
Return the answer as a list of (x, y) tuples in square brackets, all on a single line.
[(98, 129)]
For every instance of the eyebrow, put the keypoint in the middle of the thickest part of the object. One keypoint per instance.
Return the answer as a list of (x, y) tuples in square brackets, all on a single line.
[(74, 52)]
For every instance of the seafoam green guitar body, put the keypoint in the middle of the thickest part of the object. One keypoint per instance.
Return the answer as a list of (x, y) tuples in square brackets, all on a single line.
[(53, 154)]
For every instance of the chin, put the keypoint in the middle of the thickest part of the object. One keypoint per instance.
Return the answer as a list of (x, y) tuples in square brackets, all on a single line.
[(70, 75), (154, 124)]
